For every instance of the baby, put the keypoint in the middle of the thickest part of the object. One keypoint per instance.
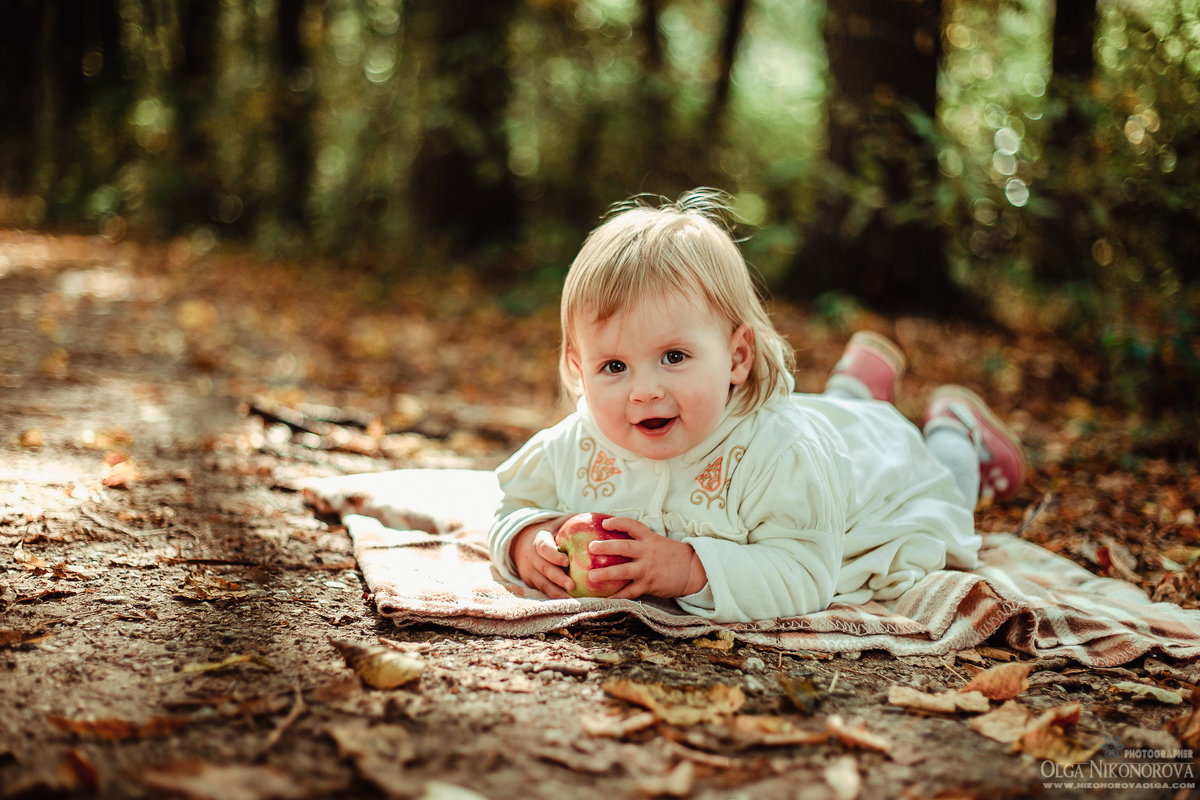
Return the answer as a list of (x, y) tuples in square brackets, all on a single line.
[(743, 500)]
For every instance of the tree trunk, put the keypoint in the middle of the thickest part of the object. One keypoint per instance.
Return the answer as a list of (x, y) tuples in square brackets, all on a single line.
[(463, 193), (1065, 234), (293, 115), (735, 19), (190, 193), (19, 64), (876, 234)]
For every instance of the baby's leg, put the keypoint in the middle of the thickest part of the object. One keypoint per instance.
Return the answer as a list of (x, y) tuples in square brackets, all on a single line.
[(958, 420), (952, 448), (870, 368)]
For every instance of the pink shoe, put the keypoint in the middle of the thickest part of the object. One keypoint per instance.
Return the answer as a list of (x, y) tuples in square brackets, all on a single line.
[(1002, 464), (871, 361)]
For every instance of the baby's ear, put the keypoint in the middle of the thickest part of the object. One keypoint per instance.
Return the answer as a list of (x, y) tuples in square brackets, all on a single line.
[(741, 349)]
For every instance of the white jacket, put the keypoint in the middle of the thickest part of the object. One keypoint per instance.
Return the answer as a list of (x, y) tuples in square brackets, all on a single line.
[(808, 500)]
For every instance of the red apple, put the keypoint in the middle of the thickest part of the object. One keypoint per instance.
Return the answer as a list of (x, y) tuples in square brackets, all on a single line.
[(573, 539)]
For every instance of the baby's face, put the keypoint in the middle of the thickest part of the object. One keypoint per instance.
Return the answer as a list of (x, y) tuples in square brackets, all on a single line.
[(658, 375)]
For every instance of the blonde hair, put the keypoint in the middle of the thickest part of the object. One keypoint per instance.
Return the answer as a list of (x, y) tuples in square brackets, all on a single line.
[(648, 246)]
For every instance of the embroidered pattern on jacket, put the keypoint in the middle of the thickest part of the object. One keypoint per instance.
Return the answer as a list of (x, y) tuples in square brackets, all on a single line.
[(714, 480), (599, 472)]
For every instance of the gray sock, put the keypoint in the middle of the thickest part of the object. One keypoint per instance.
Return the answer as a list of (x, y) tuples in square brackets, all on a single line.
[(954, 450)]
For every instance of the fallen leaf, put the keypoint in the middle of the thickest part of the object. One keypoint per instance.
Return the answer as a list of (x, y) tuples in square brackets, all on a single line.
[(112, 728), (803, 693), (680, 706), (27, 561), (72, 774), (763, 729), (440, 790), (202, 780), (996, 654), (723, 641), (857, 736), (1186, 727), (1047, 738), (105, 440), (1004, 724), (843, 778), (1001, 682), (119, 470), (941, 703), (658, 659), (230, 661), (1141, 691), (14, 637), (613, 726), (379, 667), (379, 752), (203, 587), (31, 439), (676, 783)]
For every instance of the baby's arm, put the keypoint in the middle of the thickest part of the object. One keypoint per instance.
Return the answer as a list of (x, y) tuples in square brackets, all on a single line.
[(660, 567), (539, 562)]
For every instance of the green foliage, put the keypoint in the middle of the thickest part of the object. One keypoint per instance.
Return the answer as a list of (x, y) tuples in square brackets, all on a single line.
[(1104, 223), (607, 101)]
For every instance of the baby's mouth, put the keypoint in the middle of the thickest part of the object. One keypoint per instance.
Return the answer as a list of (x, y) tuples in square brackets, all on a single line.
[(655, 423)]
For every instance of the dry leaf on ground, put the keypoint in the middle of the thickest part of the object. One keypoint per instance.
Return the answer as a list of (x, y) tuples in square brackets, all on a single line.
[(1141, 691), (940, 703), (230, 661), (843, 778), (1047, 737), (676, 783), (762, 729), (379, 752), (1001, 682), (803, 693), (380, 667), (614, 726), (202, 780), (112, 728), (857, 736), (1186, 727), (72, 774), (680, 706), (1005, 724)]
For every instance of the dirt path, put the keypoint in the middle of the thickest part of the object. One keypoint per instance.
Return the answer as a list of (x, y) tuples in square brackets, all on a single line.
[(167, 603)]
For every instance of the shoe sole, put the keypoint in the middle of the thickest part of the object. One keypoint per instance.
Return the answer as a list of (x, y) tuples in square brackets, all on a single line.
[(980, 407)]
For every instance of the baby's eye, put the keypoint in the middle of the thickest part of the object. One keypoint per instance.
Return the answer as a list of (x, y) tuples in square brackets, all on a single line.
[(613, 367), (673, 357)]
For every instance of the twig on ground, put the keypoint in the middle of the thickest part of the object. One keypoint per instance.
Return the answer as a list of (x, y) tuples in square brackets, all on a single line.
[(1034, 513), (298, 708)]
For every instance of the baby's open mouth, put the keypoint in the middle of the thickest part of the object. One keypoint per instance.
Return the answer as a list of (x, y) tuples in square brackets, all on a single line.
[(654, 423)]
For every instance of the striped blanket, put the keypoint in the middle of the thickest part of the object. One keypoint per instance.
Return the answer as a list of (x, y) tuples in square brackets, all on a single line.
[(419, 538)]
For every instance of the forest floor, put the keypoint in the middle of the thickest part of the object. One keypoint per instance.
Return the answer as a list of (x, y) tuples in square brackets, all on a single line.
[(167, 602)]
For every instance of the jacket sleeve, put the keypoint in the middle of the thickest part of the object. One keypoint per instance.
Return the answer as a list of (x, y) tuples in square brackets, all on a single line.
[(530, 495), (796, 509)]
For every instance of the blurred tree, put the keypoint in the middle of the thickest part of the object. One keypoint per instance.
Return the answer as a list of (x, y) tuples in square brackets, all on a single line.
[(20, 44), (188, 190), (876, 233), (292, 106), (81, 97), (1064, 245), (463, 193), (735, 19)]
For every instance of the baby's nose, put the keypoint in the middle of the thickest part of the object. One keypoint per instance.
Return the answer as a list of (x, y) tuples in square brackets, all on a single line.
[(646, 389)]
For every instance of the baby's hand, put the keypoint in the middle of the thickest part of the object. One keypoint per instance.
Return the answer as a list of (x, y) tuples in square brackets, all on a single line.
[(659, 566), (539, 562)]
